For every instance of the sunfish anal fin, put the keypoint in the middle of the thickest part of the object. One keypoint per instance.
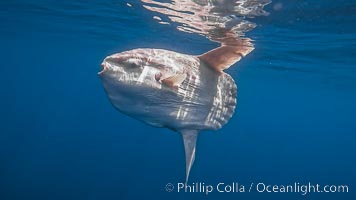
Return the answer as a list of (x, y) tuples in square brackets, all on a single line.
[(175, 80), (190, 140)]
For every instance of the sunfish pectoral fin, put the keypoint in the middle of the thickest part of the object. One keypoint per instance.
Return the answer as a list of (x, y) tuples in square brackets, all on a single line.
[(223, 57), (190, 140), (175, 80)]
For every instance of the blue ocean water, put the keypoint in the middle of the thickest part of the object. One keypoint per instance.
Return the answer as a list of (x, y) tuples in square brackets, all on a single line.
[(60, 138)]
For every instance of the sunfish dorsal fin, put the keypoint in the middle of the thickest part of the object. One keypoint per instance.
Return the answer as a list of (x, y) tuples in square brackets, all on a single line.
[(175, 80), (190, 140), (223, 57)]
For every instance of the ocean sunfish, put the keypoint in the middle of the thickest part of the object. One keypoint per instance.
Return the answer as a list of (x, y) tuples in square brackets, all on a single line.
[(181, 92)]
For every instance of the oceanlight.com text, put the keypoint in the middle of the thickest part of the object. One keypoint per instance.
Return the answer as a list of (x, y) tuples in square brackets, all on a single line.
[(260, 187)]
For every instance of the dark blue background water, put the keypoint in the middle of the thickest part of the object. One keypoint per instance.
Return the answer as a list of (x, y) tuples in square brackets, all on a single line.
[(60, 138)]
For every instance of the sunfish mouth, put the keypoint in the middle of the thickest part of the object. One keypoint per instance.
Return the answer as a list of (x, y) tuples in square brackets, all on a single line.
[(108, 62), (103, 69), (114, 63)]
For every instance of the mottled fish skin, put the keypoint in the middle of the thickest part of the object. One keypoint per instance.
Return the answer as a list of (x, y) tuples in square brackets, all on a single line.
[(204, 100)]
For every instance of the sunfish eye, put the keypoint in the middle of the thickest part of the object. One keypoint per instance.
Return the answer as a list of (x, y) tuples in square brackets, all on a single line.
[(133, 65)]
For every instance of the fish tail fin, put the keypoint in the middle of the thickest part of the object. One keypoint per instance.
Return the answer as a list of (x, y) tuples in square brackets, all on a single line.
[(190, 140)]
